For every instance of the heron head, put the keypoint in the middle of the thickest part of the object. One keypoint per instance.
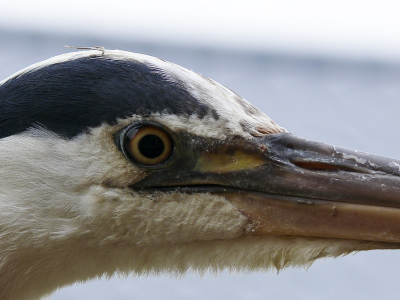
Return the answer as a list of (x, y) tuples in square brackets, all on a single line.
[(150, 167)]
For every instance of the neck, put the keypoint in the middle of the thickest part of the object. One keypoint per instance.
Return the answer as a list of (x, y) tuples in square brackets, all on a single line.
[(31, 271), (38, 206)]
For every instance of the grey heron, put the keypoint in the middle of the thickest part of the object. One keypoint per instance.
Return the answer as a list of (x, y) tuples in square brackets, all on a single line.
[(120, 162)]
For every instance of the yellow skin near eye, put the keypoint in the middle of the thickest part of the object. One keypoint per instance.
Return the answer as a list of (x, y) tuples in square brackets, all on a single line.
[(132, 145)]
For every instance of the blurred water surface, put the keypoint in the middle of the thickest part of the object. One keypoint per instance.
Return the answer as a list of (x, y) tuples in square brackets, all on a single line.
[(350, 103)]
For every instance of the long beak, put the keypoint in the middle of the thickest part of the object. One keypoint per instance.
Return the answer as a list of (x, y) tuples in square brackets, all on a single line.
[(287, 185)]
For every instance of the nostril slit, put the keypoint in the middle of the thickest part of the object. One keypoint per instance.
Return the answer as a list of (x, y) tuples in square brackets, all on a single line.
[(290, 146), (321, 166)]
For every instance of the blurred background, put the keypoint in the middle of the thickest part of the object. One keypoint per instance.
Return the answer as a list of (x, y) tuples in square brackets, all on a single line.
[(325, 70)]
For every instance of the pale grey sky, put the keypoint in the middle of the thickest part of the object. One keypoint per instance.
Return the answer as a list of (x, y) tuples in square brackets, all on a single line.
[(356, 28)]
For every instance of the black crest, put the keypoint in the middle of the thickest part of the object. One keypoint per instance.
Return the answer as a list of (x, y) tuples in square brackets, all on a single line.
[(71, 96)]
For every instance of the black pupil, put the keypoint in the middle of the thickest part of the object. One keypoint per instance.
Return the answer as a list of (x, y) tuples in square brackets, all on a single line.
[(151, 146)]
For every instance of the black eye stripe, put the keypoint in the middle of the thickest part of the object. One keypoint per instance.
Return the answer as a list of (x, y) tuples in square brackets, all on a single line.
[(86, 92)]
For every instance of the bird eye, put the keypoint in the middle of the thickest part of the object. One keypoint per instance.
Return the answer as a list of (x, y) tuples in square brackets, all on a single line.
[(148, 145)]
